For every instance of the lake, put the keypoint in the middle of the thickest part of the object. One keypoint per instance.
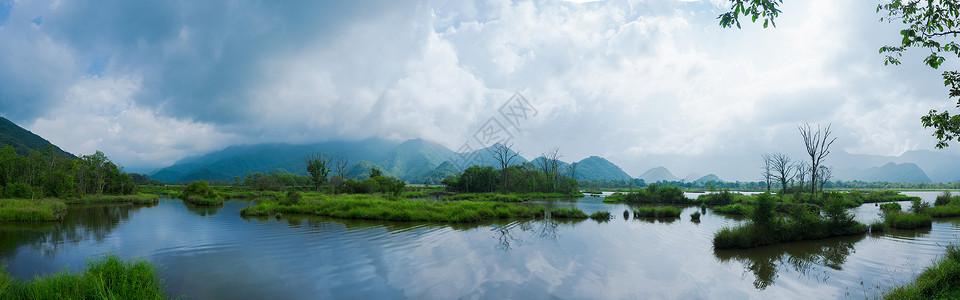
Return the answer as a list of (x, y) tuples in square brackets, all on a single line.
[(209, 253)]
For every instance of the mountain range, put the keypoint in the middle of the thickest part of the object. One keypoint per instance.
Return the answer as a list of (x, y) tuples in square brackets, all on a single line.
[(422, 161)]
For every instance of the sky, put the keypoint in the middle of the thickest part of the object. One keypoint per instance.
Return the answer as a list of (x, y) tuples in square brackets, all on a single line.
[(641, 83)]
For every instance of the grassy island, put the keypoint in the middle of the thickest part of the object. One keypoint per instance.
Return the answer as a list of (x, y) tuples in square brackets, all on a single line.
[(106, 278), (766, 227), (375, 207)]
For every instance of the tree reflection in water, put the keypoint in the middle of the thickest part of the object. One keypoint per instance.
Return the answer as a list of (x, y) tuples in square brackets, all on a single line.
[(86, 222), (807, 258)]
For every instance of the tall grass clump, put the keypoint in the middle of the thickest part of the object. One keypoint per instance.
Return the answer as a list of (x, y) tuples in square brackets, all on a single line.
[(891, 207), (106, 278), (695, 216), (484, 197), (567, 213), (26, 210), (945, 211), (140, 198), (652, 194), (902, 220), (601, 216), (733, 209), (939, 281), (656, 212)]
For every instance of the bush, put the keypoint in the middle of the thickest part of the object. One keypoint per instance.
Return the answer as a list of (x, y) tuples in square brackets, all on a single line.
[(762, 213), (601, 216), (567, 213), (652, 194), (733, 209), (695, 216), (944, 199), (918, 206), (293, 198), (656, 212), (945, 211), (891, 207)]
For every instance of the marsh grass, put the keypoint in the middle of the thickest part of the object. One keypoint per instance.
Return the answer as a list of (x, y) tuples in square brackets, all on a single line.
[(601, 216), (106, 278), (656, 212), (734, 209), (567, 213), (140, 198), (374, 207), (695, 216), (902, 220), (26, 210), (496, 197), (945, 211), (891, 207), (939, 281)]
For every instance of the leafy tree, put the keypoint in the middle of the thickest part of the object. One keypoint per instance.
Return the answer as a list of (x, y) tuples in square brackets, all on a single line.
[(318, 165), (932, 25), (374, 173)]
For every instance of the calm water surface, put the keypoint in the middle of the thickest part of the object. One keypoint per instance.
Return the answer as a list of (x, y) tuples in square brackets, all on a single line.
[(211, 253)]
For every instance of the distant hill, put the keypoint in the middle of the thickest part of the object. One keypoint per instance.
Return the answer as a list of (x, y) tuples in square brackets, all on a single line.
[(23, 140), (892, 172), (361, 170), (436, 175), (708, 178), (596, 168), (658, 174)]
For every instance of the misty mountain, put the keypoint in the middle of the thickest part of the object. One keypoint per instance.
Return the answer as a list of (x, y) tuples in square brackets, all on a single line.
[(270, 158), (414, 157), (893, 172), (596, 168), (936, 166), (708, 178), (23, 140), (361, 170), (436, 175), (658, 174)]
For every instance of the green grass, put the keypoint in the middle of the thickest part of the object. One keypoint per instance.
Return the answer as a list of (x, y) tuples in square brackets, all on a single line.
[(939, 281), (695, 216), (202, 201), (878, 226), (140, 198), (733, 209), (373, 207), (484, 197), (415, 194), (944, 211), (567, 213), (106, 278), (656, 212), (25, 210), (902, 220), (751, 235), (601, 216), (652, 194)]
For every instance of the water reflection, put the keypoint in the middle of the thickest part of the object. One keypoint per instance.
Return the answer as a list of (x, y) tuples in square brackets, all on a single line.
[(808, 258), (87, 222), (203, 210)]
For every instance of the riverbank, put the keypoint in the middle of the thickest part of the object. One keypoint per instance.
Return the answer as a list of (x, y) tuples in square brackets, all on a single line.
[(26, 210), (938, 281), (108, 277)]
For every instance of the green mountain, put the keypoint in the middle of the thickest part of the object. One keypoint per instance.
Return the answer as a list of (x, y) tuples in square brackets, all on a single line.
[(436, 175), (414, 157), (708, 178), (23, 140), (596, 168), (268, 158), (658, 174), (361, 170)]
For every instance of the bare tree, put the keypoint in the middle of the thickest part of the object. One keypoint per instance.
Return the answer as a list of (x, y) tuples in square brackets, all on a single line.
[(823, 175), (341, 164), (818, 147), (504, 156), (802, 170), (782, 169), (573, 170), (766, 174), (550, 164)]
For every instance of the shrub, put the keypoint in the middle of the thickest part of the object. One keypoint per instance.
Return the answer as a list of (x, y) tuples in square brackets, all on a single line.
[(293, 197), (695, 216), (907, 220), (601, 216), (944, 199), (733, 209), (656, 212), (891, 207), (918, 206)]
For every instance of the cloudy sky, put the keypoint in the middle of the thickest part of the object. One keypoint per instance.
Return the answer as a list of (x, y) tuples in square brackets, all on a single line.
[(642, 83)]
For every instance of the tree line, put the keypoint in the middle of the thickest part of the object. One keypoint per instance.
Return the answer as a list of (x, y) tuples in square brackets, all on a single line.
[(49, 173), (546, 174)]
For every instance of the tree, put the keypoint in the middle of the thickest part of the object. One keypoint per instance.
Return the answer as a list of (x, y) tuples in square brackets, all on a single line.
[(767, 173), (802, 170), (374, 172), (818, 147), (318, 165), (932, 25), (550, 164), (504, 156), (782, 169), (823, 175)]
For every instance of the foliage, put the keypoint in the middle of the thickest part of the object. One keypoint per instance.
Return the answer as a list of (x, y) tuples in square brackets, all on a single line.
[(945, 211), (524, 178), (319, 167), (918, 206), (48, 173), (762, 214), (939, 281), (106, 278), (738, 209), (200, 193), (567, 213), (31, 210), (695, 216), (378, 184), (946, 198), (371, 207), (755, 9), (891, 207)]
